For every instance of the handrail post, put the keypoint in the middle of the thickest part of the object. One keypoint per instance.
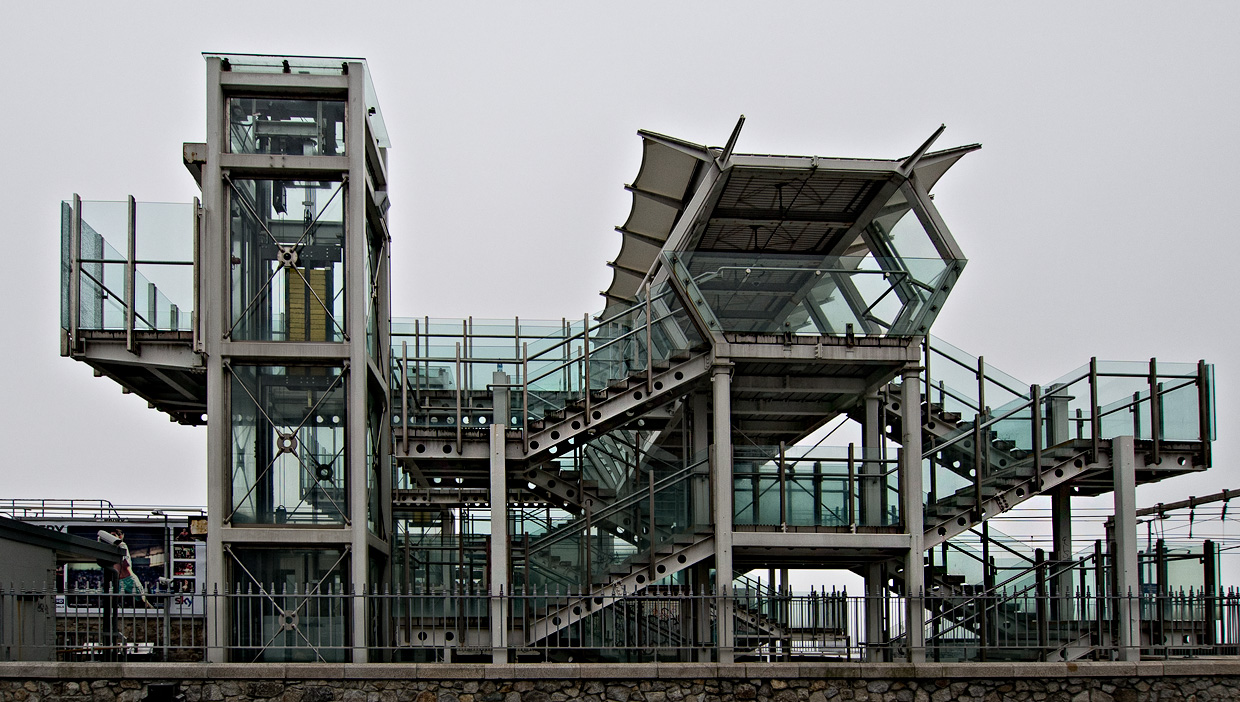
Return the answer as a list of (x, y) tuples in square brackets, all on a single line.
[(589, 564), (418, 375), (458, 397), (1095, 421), (1042, 612), (130, 275), (1035, 418), (1210, 579), (525, 390), (404, 396), (652, 538), (649, 352), (977, 465), (75, 274), (925, 364), (585, 345), (1155, 414), (852, 477), (195, 317), (981, 383), (783, 505), (1203, 410)]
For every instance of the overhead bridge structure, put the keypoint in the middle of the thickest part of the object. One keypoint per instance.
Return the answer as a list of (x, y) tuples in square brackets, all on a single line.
[(603, 487)]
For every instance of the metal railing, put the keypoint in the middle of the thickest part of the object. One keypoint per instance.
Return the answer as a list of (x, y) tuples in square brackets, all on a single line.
[(665, 623)]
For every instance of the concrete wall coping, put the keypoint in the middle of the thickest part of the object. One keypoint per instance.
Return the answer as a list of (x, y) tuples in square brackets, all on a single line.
[(611, 671)]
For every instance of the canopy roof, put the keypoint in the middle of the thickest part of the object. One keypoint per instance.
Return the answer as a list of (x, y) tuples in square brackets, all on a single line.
[(759, 203)]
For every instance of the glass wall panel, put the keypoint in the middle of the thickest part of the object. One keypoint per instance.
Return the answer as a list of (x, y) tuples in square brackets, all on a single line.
[(294, 127), (375, 519), (820, 487), (163, 262), (286, 241), (374, 248), (289, 605), (289, 464), (792, 293)]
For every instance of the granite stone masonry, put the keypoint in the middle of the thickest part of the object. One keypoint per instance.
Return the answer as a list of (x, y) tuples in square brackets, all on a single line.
[(1173, 681)]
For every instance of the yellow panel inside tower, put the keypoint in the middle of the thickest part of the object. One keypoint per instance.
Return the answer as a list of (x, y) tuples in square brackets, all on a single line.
[(307, 315)]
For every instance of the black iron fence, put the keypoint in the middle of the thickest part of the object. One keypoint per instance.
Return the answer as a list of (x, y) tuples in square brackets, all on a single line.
[(288, 624)]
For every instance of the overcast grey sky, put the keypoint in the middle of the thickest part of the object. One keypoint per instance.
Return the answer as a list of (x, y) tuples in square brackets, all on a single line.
[(1097, 218)]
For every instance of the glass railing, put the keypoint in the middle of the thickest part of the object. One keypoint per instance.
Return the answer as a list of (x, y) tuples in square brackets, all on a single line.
[(583, 549), (822, 486), (965, 555), (435, 360), (1102, 400), (618, 461), (549, 364), (134, 263), (833, 296), (619, 347)]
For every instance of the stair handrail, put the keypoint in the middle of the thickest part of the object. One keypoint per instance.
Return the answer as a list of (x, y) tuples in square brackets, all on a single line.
[(972, 368), (1156, 390), (574, 360), (984, 425), (600, 323), (975, 556), (627, 501), (996, 596)]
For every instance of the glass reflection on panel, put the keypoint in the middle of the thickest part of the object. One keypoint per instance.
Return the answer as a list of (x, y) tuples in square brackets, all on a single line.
[(292, 127), (286, 242), (288, 445)]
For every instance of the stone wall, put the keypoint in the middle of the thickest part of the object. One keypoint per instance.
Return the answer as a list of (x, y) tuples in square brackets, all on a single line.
[(1193, 681)]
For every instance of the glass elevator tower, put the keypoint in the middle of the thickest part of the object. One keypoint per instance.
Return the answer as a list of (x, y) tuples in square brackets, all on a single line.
[(295, 314)]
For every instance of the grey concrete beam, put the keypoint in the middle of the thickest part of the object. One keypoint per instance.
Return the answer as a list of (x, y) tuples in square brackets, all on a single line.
[(174, 356), (818, 540), (782, 384), (316, 85), (740, 352), (283, 166), (285, 535)]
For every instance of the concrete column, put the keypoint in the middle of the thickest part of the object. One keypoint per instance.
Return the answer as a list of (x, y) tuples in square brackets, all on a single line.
[(1061, 533), (357, 298), (1058, 430), (871, 448), (875, 600), (911, 509), (1127, 581), (699, 423), (721, 483), (500, 565), (871, 511), (699, 426), (211, 318)]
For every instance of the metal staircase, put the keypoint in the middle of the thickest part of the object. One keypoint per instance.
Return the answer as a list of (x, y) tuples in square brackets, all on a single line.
[(1035, 443)]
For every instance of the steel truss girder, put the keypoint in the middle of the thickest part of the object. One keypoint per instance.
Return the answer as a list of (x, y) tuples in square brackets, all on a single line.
[(616, 409)]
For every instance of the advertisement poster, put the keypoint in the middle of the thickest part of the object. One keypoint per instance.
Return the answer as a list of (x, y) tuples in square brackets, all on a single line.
[(165, 582), (147, 551)]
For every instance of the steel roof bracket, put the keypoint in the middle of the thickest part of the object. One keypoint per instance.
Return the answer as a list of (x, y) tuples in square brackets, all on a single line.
[(906, 168), (722, 161)]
